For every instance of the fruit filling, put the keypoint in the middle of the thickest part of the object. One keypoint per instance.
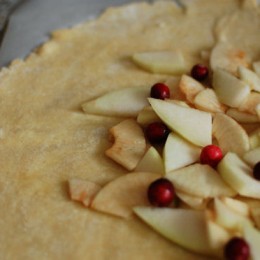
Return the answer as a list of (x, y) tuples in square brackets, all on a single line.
[(160, 91), (211, 155), (256, 171), (195, 143), (157, 132), (199, 72), (161, 193), (237, 249)]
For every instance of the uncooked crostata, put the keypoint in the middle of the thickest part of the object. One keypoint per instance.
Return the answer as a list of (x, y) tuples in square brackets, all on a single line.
[(135, 136)]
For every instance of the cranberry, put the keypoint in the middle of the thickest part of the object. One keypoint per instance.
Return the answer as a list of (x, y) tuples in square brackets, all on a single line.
[(256, 171), (160, 91), (199, 72), (211, 155), (237, 249), (161, 193), (157, 132)]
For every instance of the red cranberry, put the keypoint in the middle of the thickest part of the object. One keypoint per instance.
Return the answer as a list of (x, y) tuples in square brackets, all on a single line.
[(256, 171), (211, 155), (157, 132), (199, 72), (160, 91), (161, 193), (237, 249)]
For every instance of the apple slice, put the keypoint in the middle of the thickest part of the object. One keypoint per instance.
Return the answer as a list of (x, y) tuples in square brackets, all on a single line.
[(252, 157), (192, 124), (188, 228), (207, 100), (230, 90), (229, 134), (147, 116), (83, 191), (129, 144), (252, 236), (190, 87), (192, 178), (179, 152), (242, 117), (165, 62), (238, 175), (123, 102), (151, 162), (191, 200), (119, 196), (249, 77), (229, 219)]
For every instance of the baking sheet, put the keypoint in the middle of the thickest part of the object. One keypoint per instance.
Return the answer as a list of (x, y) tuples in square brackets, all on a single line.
[(33, 20)]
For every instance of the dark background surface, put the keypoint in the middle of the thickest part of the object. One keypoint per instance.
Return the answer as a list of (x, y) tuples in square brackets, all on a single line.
[(33, 20)]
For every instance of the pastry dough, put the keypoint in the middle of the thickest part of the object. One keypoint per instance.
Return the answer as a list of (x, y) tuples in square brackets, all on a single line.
[(45, 138)]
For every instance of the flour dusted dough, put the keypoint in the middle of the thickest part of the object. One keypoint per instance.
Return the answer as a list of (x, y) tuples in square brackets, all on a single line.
[(46, 139)]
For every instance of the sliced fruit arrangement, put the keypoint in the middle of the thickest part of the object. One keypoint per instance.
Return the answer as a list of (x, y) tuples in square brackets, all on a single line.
[(191, 147)]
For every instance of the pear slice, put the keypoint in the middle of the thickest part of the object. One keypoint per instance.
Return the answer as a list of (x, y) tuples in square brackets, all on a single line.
[(151, 162), (83, 191), (175, 92), (256, 67), (257, 109), (147, 116), (129, 144), (254, 138), (192, 124), (229, 134), (179, 152), (225, 56), (119, 196), (190, 87), (254, 207), (236, 205), (188, 228), (249, 77), (230, 90), (207, 100), (255, 212), (238, 175), (192, 178), (178, 102), (192, 201), (252, 236), (242, 117), (123, 102), (228, 218), (218, 237), (165, 62), (252, 157), (250, 103), (205, 55), (250, 128)]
